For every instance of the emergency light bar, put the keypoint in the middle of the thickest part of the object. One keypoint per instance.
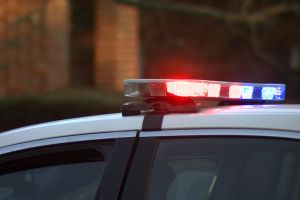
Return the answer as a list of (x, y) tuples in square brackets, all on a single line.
[(203, 89)]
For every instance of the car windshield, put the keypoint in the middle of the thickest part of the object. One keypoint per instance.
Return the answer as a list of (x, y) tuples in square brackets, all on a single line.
[(225, 169)]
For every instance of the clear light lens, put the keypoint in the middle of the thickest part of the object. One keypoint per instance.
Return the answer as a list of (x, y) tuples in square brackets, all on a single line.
[(247, 92), (235, 91), (269, 93), (203, 89), (214, 90), (187, 89)]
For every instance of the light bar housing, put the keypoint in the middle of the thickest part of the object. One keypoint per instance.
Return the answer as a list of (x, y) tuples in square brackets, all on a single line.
[(203, 89)]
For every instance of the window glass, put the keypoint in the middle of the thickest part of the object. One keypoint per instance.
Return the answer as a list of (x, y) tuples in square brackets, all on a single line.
[(70, 174), (225, 169)]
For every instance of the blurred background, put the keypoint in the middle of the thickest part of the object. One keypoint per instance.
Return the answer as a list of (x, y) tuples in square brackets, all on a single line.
[(68, 58)]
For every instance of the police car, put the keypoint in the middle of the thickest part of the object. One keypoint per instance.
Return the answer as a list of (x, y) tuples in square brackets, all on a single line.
[(169, 143)]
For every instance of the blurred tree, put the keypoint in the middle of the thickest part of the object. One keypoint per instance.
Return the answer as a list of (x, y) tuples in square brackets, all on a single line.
[(82, 42), (271, 28)]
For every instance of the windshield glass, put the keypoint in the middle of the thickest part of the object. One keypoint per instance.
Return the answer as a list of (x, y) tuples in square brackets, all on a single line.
[(225, 169)]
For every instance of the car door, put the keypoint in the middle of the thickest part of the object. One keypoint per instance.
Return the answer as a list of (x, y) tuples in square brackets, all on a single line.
[(83, 167), (221, 164)]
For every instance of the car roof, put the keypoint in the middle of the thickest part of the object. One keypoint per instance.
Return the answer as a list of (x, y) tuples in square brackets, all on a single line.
[(75, 126), (277, 117)]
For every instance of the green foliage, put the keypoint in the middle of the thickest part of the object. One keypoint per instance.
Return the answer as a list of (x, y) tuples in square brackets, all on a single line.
[(26, 110)]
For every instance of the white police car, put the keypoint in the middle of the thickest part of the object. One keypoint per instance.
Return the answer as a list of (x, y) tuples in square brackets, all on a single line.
[(162, 148)]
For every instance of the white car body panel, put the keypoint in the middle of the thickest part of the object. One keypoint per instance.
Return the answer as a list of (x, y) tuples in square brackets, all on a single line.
[(273, 117), (76, 126)]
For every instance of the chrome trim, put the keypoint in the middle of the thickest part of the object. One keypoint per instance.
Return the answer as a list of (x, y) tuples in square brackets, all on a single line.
[(66, 139), (223, 132)]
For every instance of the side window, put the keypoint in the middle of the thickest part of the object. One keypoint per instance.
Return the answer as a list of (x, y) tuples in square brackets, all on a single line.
[(56, 172), (225, 169)]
